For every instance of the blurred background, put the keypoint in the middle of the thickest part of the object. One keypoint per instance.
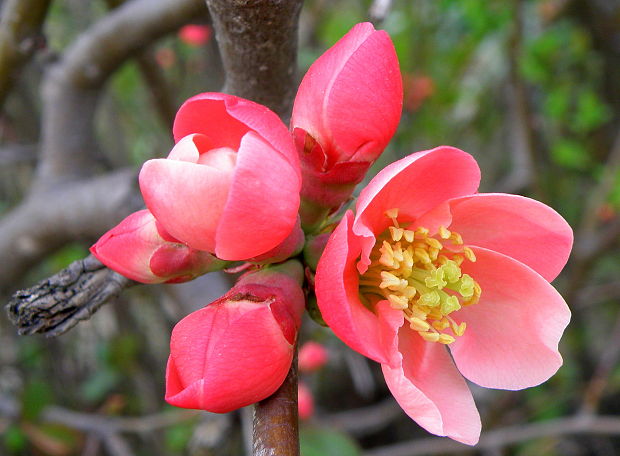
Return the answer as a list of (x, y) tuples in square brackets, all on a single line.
[(530, 87)]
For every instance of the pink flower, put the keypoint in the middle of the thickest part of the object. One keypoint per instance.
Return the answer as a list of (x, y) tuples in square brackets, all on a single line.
[(231, 184), (346, 110), (195, 35), (428, 262), (305, 401), (238, 349), (139, 248), (312, 356)]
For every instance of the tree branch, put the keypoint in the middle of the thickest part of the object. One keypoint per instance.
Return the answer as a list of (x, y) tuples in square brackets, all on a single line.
[(20, 31), (258, 44), (71, 87), (57, 304)]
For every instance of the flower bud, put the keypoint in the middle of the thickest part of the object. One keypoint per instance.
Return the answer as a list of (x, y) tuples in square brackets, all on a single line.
[(346, 111), (237, 350), (312, 356), (140, 249)]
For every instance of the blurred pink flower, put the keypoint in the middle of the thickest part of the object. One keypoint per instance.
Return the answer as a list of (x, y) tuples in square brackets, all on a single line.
[(140, 249), (237, 350), (346, 111), (216, 190), (195, 35), (312, 356), (428, 262), (305, 401)]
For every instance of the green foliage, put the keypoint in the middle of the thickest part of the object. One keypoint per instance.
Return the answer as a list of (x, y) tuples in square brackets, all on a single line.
[(324, 442)]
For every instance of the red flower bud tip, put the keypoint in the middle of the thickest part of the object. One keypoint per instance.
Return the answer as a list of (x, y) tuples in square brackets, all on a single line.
[(305, 401), (312, 356), (195, 35), (346, 111), (237, 350), (140, 249), (216, 190)]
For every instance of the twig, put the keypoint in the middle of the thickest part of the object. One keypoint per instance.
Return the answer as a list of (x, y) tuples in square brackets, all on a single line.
[(58, 303), (365, 420), (503, 437), (379, 10), (20, 32), (276, 424)]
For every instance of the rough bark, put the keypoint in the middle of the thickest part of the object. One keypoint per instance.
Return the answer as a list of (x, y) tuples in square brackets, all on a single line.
[(258, 44), (57, 304)]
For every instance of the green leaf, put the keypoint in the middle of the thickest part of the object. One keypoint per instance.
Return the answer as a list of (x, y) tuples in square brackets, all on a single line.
[(323, 442), (14, 439)]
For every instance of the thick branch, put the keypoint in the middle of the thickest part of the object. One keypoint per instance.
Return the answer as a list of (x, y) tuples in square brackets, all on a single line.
[(20, 31), (258, 44), (57, 304), (47, 221), (71, 88)]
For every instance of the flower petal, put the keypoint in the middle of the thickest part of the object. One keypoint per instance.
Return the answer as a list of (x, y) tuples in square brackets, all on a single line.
[(225, 119), (415, 185), (524, 229), (352, 117), (512, 335), (186, 198), (430, 390), (262, 205), (336, 288)]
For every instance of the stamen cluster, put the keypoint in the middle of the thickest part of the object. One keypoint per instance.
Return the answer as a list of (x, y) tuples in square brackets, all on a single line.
[(420, 274)]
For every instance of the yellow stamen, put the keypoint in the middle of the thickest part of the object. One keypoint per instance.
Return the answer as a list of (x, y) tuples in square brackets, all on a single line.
[(412, 270)]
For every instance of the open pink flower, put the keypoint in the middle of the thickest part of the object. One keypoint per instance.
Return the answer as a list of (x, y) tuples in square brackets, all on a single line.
[(237, 350), (346, 110), (231, 184), (139, 248), (428, 262)]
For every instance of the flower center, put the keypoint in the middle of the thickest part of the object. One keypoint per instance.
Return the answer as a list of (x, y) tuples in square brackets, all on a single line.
[(421, 275)]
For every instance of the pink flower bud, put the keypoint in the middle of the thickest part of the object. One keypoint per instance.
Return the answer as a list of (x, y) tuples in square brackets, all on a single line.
[(346, 110), (140, 249), (217, 190), (238, 349), (312, 356), (305, 401), (195, 35)]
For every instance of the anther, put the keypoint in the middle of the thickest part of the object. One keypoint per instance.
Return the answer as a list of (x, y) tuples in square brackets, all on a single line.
[(445, 339), (398, 302), (419, 325), (396, 233), (469, 254), (430, 336), (409, 235), (444, 233)]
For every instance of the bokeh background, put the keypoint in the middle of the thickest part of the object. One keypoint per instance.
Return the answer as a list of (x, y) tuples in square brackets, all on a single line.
[(530, 87)]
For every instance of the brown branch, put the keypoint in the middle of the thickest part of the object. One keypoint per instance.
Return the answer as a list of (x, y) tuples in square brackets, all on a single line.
[(46, 221), (276, 424), (72, 86), (258, 44), (503, 437), (57, 304), (20, 32)]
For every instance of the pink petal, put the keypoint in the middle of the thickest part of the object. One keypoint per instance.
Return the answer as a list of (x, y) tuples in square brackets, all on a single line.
[(127, 248), (186, 198), (336, 288), (415, 185), (522, 228), (512, 335), (187, 149), (350, 99), (225, 119), (226, 356), (262, 205), (431, 391)]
